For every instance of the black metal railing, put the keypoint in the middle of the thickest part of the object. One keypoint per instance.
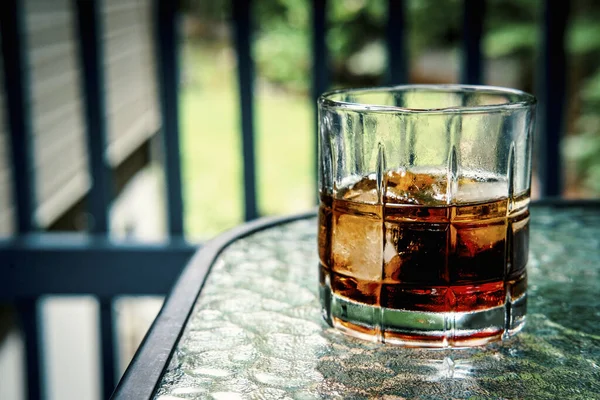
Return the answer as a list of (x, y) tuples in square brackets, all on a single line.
[(241, 16), (33, 264), (396, 43)]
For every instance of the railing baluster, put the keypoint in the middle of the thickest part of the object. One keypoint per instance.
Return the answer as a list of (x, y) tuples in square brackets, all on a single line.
[(396, 43), (18, 110), (320, 68), (551, 95), (91, 58), (107, 336), (167, 58), (243, 34), (17, 86), (471, 66), (31, 327), (91, 54), (320, 71)]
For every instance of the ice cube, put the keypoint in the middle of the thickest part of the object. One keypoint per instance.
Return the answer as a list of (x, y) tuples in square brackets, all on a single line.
[(363, 191), (420, 252), (475, 239), (406, 187), (357, 246), (480, 252)]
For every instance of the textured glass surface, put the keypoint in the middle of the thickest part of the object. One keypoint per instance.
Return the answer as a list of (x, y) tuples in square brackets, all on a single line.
[(256, 331)]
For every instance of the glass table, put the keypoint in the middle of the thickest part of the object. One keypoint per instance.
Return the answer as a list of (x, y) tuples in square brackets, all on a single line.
[(244, 322)]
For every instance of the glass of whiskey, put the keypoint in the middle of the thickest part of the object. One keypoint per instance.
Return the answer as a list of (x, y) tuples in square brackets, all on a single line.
[(424, 212)]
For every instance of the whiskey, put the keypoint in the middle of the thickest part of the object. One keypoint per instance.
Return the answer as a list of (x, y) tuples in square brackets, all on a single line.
[(407, 247)]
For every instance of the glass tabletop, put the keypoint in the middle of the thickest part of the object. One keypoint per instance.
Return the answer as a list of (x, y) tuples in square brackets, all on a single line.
[(256, 331)]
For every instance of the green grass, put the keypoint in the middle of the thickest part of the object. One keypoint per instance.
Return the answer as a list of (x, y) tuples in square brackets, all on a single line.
[(211, 146)]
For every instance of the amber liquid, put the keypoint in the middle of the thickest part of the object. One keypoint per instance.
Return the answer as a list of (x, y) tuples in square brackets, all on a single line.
[(408, 249)]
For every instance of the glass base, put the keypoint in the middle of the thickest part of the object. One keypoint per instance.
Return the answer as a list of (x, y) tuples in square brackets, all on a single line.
[(420, 328)]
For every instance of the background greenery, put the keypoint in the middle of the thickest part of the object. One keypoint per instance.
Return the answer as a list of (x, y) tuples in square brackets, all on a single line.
[(356, 40)]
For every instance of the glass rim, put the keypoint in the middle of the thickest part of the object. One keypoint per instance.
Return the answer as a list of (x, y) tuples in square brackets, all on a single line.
[(524, 99)]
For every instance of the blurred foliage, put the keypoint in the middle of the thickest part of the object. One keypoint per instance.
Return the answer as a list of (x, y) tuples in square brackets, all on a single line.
[(510, 40), (584, 35), (584, 147), (356, 34), (282, 43), (358, 53)]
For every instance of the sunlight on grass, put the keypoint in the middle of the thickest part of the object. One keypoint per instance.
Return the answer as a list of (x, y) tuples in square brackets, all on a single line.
[(211, 146), (285, 154)]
